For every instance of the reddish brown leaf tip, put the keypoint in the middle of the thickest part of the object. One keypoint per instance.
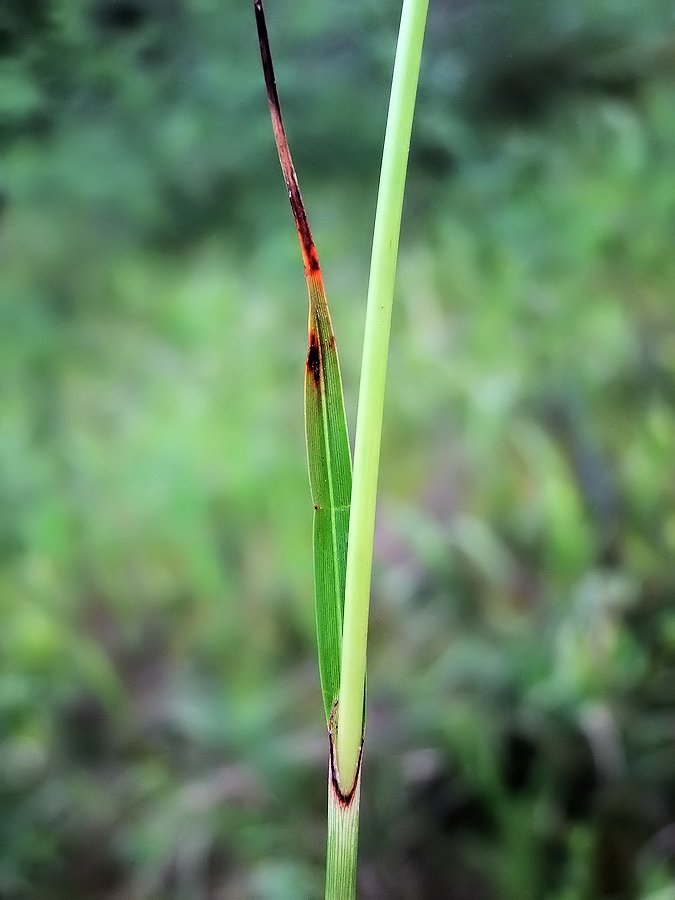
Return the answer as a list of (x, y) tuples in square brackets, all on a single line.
[(314, 358), (299, 214)]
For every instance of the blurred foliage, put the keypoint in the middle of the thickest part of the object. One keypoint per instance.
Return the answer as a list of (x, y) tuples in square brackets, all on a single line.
[(160, 717)]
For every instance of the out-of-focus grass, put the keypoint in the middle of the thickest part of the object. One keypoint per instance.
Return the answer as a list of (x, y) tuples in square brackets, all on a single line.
[(160, 716)]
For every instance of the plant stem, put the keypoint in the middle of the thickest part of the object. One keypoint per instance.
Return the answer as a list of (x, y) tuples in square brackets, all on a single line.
[(343, 833), (371, 390)]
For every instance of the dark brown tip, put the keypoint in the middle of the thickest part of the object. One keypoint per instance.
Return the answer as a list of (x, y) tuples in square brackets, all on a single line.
[(299, 214), (314, 358), (266, 56)]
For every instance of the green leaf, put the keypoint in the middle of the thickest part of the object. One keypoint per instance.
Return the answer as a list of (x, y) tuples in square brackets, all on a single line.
[(328, 453), (330, 475)]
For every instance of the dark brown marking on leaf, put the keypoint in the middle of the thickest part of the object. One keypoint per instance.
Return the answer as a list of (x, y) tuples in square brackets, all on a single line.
[(331, 342), (312, 259), (314, 358), (309, 254)]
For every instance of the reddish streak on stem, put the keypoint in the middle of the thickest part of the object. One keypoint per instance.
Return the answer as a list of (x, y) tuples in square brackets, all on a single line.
[(309, 254), (343, 798)]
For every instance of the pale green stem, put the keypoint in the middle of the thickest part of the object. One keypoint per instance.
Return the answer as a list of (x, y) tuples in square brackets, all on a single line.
[(343, 837), (371, 390)]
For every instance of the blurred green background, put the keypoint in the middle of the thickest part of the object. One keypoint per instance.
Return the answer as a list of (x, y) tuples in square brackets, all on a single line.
[(161, 730)]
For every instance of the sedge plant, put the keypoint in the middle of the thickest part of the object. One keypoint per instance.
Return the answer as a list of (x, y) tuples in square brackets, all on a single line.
[(344, 507)]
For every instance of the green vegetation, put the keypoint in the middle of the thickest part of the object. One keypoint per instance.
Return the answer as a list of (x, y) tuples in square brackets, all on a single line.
[(342, 576), (158, 686)]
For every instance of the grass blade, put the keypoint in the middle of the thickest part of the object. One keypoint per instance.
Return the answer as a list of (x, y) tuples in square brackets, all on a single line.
[(330, 476), (328, 453)]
